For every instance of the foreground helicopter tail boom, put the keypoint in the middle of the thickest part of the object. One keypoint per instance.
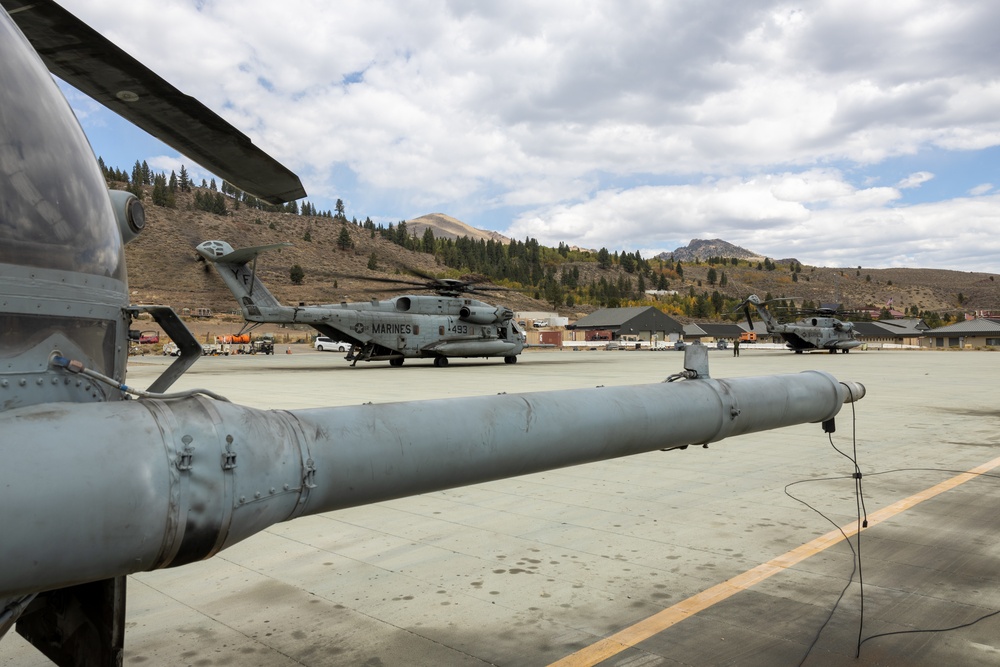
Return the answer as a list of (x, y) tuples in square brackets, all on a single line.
[(194, 476)]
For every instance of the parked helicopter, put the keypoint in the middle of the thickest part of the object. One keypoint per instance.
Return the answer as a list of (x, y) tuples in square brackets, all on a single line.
[(818, 330), (99, 480), (414, 326)]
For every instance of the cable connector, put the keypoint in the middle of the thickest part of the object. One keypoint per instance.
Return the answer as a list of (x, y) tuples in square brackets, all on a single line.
[(71, 365), (75, 366)]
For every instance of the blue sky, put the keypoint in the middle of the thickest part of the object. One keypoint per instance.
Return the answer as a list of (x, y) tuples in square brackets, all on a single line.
[(841, 133)]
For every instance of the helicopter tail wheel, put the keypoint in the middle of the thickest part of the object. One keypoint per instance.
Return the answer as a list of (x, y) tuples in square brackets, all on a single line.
[(510, 360), (396, 361), (440, 362)]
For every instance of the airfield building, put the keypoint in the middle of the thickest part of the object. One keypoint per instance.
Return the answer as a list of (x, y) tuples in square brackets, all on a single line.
[(977, 333), (645, 322)]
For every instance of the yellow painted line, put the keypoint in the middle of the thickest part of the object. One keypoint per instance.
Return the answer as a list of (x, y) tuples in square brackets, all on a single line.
[(646, 628)]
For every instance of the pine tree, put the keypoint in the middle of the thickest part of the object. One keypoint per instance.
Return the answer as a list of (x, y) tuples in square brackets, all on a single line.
[(162, 196), (344, 241)]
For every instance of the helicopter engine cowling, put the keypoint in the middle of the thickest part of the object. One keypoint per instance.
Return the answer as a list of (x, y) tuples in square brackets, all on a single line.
[(480, 315), (843, 326)]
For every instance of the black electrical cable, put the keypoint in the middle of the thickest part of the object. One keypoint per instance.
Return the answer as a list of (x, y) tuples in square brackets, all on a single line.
[(862, 511), (908, 632), (854, 559)]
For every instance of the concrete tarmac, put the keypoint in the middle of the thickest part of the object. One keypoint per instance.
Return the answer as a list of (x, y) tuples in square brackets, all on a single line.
[(724, 555)]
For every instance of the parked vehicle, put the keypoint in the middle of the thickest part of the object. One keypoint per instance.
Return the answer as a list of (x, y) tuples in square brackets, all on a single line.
[(324, 344), (262, 346), (170, 349), (149, 338), (748, 337)]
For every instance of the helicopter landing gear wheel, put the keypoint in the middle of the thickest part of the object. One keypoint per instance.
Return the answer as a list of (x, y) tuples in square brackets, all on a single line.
[(440, 362), (510, 360), (396, 361)]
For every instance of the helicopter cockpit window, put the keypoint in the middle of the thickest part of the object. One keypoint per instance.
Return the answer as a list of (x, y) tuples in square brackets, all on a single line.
[(54, 206)]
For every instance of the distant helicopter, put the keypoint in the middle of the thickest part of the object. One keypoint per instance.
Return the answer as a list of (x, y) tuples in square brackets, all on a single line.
[(404, 327), (99, 480), (818, 330)]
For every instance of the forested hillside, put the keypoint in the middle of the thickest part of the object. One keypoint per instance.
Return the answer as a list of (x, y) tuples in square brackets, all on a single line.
[(337, 257)]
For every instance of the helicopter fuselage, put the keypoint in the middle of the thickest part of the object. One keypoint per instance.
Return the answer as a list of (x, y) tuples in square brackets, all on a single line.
[(820, 332), (413, 326), (448, 324), (823, 333)]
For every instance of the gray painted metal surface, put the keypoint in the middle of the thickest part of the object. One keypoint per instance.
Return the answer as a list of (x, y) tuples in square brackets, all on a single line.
[(165, 483)]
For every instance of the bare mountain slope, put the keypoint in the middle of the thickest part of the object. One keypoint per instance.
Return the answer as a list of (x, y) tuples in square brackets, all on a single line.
[(165, 269), (702, 249), (447, 227)]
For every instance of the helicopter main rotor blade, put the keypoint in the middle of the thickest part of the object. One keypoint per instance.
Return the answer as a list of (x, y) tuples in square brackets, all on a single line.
[(83, 58), (495, 288), (449, 286), (391, 281), (420, 273)]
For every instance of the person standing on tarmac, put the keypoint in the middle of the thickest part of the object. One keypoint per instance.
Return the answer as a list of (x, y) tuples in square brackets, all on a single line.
[(736, 347)]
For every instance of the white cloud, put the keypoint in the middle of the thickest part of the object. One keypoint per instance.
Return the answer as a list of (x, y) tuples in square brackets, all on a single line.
[(843, 227), (583, 116), (915, 180), (981, 189)]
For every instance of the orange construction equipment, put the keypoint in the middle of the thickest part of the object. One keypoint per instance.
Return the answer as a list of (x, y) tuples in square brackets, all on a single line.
[(233, 339)]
